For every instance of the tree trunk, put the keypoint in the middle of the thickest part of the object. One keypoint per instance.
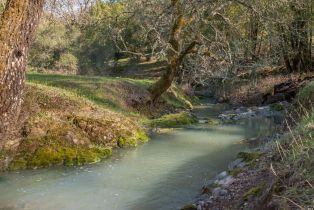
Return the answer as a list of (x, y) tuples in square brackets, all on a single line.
[(18, 25), (164, 83), (175, 54)]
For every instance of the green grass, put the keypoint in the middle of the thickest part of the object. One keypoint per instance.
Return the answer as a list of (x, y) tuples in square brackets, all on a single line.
[(306, 95), (109, 92), (64, 128), (295, 165), (104, 91)]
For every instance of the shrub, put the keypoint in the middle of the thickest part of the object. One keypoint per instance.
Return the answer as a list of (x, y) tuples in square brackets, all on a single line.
[(306, 94), (67, 63)]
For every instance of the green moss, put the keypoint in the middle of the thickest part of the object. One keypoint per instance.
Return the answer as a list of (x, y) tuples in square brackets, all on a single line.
[(252, 192), (235, 171), (189, 207), (141, 136), (173, 120), (54, 154), (126, 142), (132, 141), (249, 156), (212, 121), (18, 164), (177, 98), (277, 107)]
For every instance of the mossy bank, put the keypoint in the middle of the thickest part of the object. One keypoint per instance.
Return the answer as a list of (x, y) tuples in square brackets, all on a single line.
[(71, 125)]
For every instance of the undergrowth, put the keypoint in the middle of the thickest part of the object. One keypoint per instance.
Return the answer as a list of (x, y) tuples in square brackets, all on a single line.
[(294, 167)]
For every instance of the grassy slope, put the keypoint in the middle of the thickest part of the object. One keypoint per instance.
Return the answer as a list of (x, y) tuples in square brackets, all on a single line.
[(75, 120), (114, 93)]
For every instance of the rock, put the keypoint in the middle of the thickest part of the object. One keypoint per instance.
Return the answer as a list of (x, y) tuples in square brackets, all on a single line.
[(219, 192), (222, 175), (189, 207), (234, 164), (242, 165), (201, 203), (226, 181), (223, 193), (216, 192)]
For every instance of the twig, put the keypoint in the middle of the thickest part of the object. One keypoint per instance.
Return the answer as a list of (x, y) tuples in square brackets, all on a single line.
[(310, 184), (290, 201)]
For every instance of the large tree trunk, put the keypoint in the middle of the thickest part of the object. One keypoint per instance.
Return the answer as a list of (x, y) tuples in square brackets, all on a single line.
[(164, 83), (18, 25)]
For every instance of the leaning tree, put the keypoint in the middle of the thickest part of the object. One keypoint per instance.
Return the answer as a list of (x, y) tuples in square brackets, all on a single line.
[(17, 28), (171, 30)]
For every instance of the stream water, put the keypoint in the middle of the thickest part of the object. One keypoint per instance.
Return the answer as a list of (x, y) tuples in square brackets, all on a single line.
[(165, 173)]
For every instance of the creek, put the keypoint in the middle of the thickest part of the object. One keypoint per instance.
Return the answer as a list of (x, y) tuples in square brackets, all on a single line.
[(165, 173)]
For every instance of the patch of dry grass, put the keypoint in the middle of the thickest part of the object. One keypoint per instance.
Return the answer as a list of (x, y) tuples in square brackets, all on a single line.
[(252, 92), (294, 165)]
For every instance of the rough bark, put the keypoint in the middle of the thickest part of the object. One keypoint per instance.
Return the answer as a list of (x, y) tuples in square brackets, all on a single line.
[(17, 27)]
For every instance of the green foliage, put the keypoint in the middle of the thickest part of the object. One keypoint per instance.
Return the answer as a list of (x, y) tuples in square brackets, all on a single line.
[(173, 120), (54, 46), (68, 63), (97, 46), (306, 95)]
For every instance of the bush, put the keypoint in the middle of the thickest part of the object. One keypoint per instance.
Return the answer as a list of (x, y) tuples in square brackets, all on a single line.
[(67, 63), (306, 94)]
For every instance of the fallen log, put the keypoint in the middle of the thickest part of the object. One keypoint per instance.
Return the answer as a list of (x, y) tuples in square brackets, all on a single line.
[(285, 91)]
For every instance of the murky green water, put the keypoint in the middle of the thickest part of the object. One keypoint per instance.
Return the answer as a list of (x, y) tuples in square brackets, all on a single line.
[(165, 173)]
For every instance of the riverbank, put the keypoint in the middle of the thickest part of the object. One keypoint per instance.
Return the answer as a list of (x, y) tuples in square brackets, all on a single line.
[(173, 163), (73, 120), (277, 175)]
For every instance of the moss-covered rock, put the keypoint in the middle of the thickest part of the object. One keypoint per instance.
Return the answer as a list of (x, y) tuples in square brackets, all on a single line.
[(212, 121), (54, 155), (255, 191), (249, 156), (173, 120), (277, 107), (189, 207), (18, 164), (235, 172), (132, 141)]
